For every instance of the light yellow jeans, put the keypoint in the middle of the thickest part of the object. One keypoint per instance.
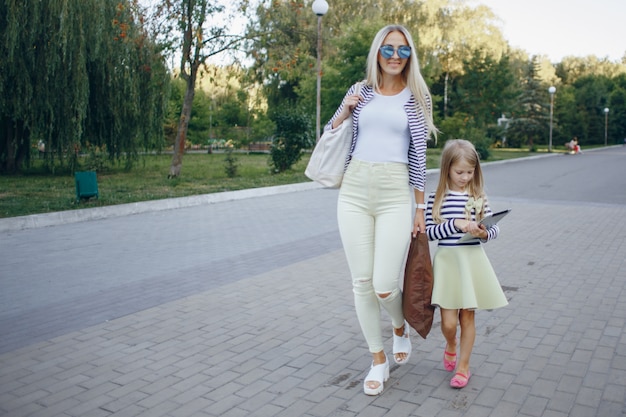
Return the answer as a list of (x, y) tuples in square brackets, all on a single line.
[(374, 213)]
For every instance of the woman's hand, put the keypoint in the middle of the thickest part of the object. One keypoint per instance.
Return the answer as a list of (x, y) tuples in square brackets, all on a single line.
[(419, 225), (349, 103)]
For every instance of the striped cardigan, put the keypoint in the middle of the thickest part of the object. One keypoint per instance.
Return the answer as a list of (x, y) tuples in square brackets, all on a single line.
[(417, 129)]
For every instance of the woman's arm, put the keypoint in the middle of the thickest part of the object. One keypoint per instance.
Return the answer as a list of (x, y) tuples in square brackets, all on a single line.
[(345, 109)]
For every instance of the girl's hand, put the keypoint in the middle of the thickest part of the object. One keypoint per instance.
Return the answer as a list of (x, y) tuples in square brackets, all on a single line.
[(474, 228), (419, 225)]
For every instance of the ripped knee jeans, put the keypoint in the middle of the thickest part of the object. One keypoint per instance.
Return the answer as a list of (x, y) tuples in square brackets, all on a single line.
[(374, 213)]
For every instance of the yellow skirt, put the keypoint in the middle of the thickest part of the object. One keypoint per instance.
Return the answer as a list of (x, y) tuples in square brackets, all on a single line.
[(465, 279)]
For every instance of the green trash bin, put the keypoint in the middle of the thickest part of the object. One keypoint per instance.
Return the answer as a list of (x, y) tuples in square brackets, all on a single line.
[(86, 185)]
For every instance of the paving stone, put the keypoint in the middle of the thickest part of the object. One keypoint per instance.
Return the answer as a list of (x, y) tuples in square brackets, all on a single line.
[(257, 318)]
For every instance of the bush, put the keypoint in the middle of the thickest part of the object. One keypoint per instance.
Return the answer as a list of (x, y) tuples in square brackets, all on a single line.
[(293, 135), (460, 126), (230, 161), (97, 158), (481, 142)]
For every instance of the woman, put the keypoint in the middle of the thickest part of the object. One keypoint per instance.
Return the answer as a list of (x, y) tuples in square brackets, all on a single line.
[(392, 119)]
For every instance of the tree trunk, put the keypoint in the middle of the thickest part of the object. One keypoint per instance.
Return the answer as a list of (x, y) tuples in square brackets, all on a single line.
[(14, 147), (445, 95), (183, 125)]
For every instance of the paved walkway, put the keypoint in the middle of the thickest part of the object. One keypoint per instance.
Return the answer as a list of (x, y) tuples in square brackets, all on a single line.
[(162, 315)]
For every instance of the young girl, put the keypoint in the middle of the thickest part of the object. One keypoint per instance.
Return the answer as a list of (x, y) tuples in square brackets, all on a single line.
[(464, 280)]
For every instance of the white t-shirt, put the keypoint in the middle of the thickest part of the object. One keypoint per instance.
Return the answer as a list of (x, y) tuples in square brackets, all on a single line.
[(384, 129)]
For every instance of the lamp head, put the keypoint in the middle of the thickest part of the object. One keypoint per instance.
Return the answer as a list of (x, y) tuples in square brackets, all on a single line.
[(552, 90), (606, 110), (320, 7)]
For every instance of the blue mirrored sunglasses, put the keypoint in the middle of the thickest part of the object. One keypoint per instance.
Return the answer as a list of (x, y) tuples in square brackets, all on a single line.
[(387, 51)]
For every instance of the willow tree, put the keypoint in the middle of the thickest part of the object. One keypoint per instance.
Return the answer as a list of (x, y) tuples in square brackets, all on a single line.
[(74, 74)]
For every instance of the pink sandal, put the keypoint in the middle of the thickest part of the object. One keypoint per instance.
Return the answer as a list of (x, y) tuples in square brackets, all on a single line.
[(449, 365), (460, 380)]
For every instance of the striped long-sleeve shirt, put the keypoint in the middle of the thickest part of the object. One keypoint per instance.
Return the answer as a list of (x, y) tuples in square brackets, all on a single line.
[(453, 207), (417, 129)]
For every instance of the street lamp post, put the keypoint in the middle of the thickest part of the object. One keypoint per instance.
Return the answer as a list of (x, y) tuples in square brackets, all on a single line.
[(320, 7), (606, 124), (551, 90)]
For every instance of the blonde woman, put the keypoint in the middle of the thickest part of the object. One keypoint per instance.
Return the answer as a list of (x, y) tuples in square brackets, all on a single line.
[(385, 174), (464, 280)]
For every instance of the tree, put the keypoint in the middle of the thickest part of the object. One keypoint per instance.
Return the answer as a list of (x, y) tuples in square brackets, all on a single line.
[(592, 96), (344, 68), (71, 87), (196, 30), (531, 122), (617, 124), (293, 134), (485, 90), (282, 42), (464, 32), (570, 69)]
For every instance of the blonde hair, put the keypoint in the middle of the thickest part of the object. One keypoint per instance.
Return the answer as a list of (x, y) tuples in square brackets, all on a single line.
[(456, 150), (411, 73)]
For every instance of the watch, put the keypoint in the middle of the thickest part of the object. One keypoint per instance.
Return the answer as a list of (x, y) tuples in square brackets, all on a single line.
[(421, 206)]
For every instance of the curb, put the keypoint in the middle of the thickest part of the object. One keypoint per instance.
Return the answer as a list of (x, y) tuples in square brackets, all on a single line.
[(98, 213), (34, 221)]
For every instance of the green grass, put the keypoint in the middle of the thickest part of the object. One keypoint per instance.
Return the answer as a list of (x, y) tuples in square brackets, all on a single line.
[(35, 192)]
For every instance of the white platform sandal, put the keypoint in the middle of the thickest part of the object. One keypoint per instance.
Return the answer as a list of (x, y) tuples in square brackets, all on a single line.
[(402, 344), (378, 373)]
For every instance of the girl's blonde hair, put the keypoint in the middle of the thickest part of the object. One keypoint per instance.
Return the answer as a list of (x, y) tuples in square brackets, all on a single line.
[(411, 73), (456, 150)]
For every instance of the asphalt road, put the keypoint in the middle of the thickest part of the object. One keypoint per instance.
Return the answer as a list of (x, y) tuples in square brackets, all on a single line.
[(591, 177), (65, 277)]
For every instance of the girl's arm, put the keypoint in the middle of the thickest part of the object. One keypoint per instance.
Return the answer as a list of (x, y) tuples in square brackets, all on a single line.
[(493, 231), (437, 231), (477, 230)]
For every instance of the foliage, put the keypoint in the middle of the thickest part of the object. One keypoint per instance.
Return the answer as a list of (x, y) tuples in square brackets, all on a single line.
[(117, 95), (346, 67), (531, 121), (67, 83), (196, 30), (293, 135), (463, 126), (96, 159), (485, 90), (571, 69), (481, 143), (230, 161), (592, 96)]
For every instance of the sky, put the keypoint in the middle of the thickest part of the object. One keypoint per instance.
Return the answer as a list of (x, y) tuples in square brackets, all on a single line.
[(559, 28)]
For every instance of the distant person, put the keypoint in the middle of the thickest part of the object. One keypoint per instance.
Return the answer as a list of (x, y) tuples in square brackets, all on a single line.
[(573, 146), (576, 145), (41, 146), (464, 280), (385, 173)]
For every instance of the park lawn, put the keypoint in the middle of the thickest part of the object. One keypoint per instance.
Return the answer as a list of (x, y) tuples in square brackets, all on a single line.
[(35, 192)]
